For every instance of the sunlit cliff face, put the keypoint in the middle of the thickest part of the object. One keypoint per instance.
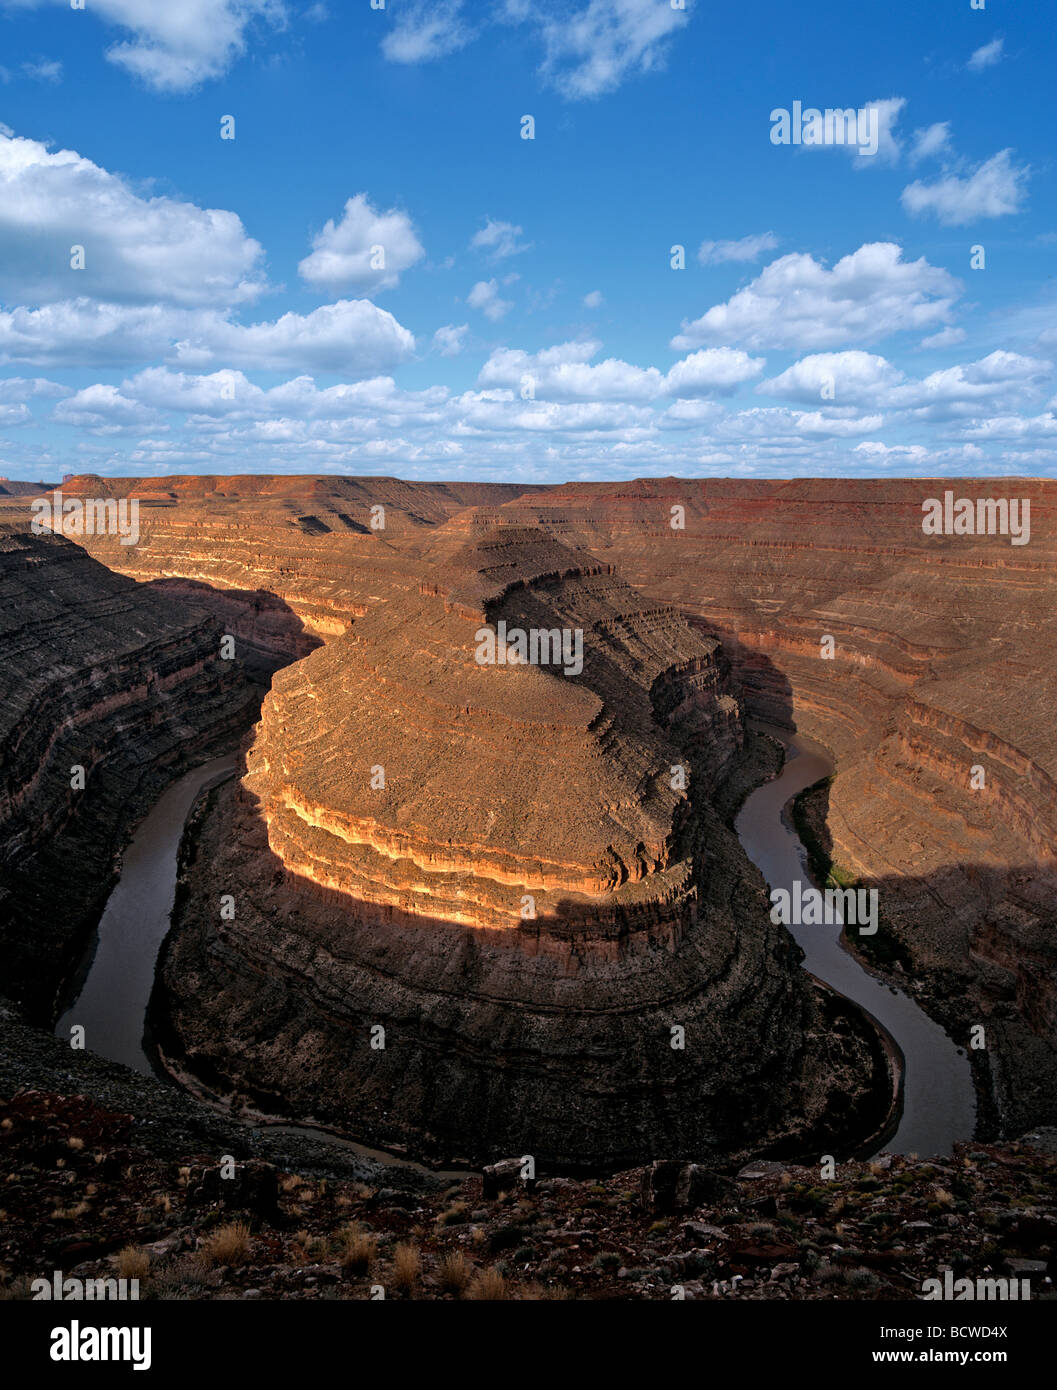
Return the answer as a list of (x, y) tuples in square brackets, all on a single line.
[(393, 768)]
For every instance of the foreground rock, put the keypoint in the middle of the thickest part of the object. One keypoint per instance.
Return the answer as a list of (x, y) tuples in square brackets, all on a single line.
[(81, 1198)]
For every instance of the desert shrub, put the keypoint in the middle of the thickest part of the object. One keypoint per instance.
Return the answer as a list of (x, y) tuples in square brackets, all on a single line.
[(454, 1273), (228, 1244), (132, 1263), (407, 1265), (488, 1285)]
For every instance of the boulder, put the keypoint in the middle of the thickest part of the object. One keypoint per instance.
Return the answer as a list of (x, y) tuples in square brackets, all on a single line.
[(672, 1185)]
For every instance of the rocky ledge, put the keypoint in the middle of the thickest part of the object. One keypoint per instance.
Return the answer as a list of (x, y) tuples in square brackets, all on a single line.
[(82, 1197)]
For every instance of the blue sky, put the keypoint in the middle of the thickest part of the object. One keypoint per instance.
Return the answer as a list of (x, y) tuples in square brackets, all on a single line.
[(523, 320)]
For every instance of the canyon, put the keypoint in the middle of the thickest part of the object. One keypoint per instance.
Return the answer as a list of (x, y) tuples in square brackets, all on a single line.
[(397, 901)]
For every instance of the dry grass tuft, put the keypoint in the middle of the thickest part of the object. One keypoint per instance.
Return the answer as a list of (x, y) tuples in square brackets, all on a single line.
[(132, 1263), (488, 1285), (407, 1265), (358, 1253), (454, 1273), (228, 1245)]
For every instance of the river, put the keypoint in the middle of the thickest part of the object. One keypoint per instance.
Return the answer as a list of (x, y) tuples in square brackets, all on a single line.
[(113, 986), (939, 1102), (116, 976)]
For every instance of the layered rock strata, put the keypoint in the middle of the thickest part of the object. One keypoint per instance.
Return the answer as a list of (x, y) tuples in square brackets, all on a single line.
[(527, 907), (937, 702), (942, 664), (108, 688)]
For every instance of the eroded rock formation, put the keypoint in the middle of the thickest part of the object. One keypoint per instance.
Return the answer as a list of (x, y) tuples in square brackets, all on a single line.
[(107, 689), (526, 907), (942, 666)]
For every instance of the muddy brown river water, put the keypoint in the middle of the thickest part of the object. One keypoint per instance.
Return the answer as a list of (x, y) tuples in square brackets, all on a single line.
[(113, 986), (939, 1102)]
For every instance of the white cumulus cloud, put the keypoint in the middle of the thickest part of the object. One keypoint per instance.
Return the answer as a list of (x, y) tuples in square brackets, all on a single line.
[(177, 44), (136, 249), (351, 336), (448, 341), (499, 239), (796, 302), (485, 296), (367, 250), (994, 189)]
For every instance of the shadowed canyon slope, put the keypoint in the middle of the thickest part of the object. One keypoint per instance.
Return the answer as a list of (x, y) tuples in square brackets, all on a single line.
[(107, 689), (526, 907), (358, 905), (943, 664)]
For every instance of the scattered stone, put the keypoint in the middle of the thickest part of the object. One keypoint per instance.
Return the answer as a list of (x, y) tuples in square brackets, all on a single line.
[(668, 1185), (251, 1187), (503, 1176), (761, 1168)]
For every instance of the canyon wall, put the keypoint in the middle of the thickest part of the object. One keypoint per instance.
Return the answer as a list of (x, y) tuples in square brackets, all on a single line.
[(941, 675), (938, 703), (108, 688), (490, 863)]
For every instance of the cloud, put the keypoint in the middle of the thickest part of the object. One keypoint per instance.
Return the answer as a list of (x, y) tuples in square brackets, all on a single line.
[(17, 388), (431, 29), (104, 410), (857, 378), (352, 336), (853, 377), (349, 336), (594, 300), (713, 372), (44, 71), (922, 459), (487, 412), (174, 47), (137, 249), (986, 56), (889, 147), (777, 426), (566, 373), (499, 239), (592, 50), (448, 341), (749, 248), (931, 141), (230, 395), (367, 250), (1013, 427), (946, 337), (995, 189), (795, 302), (222, 422), (885, 117), (485, 296), (1001, 376)]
